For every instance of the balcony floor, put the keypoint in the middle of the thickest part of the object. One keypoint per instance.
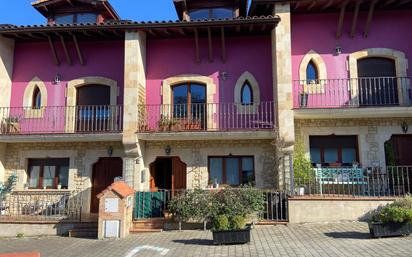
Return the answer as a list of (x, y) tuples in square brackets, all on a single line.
[(207, 135), (353, 112), (75, 137)]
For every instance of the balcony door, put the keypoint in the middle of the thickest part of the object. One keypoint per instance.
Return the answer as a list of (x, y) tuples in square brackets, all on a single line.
[(93, 108), (189, 105), (377, 82)]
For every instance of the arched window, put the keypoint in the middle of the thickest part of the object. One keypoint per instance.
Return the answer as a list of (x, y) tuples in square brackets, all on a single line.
[(246, 94), (312, 75), (36, 101)]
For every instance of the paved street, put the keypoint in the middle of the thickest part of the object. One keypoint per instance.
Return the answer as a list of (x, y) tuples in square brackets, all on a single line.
[(344, 239)]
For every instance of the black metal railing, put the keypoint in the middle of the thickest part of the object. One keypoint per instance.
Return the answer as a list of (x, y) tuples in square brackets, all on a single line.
[(352, 92), (393, 181)]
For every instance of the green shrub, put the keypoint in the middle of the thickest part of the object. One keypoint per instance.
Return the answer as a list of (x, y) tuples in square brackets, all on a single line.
[(400, 211), (221, 222), (238, 222), (20, 235), (302, 167)]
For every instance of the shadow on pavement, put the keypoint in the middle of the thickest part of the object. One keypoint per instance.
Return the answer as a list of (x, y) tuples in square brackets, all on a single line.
[(195, 242), (349, 235)]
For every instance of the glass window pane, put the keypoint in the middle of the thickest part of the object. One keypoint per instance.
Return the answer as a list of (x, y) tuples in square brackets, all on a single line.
[(48, 176), (64, 177), (198, 93), (222, 13), (216, 170), (86, 18), (34, 175), (199, 14), (348, 155), (232, 171), (246, 94), (311, 72), (64, 19), (180, 101), (331, 155), (247, 170), (315, 155)]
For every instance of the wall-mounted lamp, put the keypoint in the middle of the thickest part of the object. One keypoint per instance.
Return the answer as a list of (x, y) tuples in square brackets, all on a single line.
[(57, 79), (404, 127), (338, 49), (110, 151), (168, 150), (223, 75)]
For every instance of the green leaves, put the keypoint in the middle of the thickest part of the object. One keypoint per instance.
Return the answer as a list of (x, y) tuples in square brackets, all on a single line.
[(400, 211), (9, 185)]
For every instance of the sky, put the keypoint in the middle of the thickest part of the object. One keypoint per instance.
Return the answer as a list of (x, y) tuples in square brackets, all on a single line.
[(20, 12)]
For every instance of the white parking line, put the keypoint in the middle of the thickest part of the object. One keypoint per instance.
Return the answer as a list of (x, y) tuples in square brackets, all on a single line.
[(161, 251)]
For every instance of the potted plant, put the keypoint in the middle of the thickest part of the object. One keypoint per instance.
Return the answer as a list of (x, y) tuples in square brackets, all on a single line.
[(394, 219), (5, 189), (12, 124), (233, 231), (303, 170)]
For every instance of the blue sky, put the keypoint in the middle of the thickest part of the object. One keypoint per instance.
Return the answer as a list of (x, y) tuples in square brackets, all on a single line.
[(20, 12)]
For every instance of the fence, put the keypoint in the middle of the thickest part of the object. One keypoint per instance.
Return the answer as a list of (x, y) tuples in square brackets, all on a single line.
[(154, 204), (353, 92), (61, 119), (40, 206), (394, 181), (206, 117)]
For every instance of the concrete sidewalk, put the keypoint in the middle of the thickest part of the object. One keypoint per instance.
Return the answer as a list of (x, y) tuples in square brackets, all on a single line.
[(342, 239)]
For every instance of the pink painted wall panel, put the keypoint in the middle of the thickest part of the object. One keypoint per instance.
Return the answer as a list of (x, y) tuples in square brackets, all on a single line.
[(318, 32), (104, 59), (167, 58)]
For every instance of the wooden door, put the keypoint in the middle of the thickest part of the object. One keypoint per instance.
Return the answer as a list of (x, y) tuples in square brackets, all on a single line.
[(153, 187), (104, 172), (402, 149), (178, 174)]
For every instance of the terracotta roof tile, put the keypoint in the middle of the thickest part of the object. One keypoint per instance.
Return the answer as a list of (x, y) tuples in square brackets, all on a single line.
[(120, 188)]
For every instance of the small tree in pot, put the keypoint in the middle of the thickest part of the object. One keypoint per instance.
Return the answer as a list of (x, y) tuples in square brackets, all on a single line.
[(6, 189), (303, 170)]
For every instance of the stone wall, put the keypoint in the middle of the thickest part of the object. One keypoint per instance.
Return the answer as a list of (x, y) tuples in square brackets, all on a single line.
[(372, 134), (195, 155)]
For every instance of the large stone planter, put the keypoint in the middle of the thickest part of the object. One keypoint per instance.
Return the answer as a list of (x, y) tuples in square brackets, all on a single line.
[(241, 236), (389, 229)]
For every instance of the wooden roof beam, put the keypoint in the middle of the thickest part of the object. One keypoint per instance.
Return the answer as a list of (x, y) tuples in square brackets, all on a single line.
[(70, 2), (403, 2), (53, 50), (210, 43), (370, 16), (341, 19), (66, 51), (197, 54), (355, 19), (78, 51), (328, 4), (388, 2), (314, 2), (223, 43)]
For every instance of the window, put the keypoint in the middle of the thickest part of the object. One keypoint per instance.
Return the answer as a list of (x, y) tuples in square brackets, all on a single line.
[(189, 101), (48, 173), (231, 170), (327, 150), (211, 13), (36, 101), (246, 94), (75, 18), (311, 73)]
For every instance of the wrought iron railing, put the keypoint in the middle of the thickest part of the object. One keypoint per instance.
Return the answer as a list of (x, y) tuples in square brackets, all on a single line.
[(37, 205), (61, 119), (206, 117), (393, 181), (352, 92)]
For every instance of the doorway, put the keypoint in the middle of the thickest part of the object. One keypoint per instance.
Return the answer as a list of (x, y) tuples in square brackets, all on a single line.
[(377, 81), (105, 170), (167, 173), (398, 150)]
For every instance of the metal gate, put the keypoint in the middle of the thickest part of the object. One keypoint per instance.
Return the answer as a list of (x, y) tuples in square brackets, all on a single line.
[(150, 204)]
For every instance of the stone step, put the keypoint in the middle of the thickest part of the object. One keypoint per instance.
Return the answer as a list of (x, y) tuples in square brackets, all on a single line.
[(83, 233), (144, 230)]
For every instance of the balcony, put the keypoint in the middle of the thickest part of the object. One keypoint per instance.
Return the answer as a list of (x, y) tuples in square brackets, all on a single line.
[(352, 97), (61, 120), (204, 118)]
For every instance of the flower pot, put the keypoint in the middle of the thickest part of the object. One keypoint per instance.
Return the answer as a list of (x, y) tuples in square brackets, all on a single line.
[(389, 229), (223, 237)]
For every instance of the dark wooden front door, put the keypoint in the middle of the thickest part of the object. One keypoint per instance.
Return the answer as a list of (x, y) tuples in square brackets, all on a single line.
[(377, 81), (168, 173), (401, 147), (104, 172)]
